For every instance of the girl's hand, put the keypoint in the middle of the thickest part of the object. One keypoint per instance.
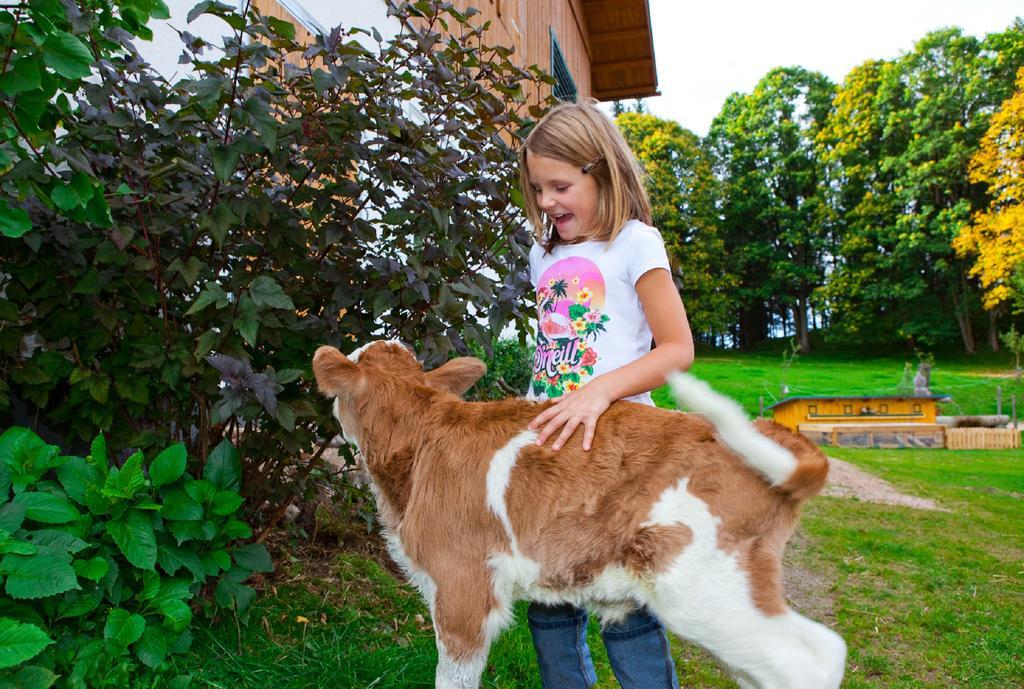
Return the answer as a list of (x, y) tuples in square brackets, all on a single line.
[(582, 406)]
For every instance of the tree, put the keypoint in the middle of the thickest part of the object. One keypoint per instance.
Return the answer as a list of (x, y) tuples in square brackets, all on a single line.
[(996, 234), (898, 144), (775, 222), (683, 193)]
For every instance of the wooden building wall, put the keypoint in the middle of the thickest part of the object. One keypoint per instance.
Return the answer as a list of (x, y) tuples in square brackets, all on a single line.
[(526, 25), (855, 410)]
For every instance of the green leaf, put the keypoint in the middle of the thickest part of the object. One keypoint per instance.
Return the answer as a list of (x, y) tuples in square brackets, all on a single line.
[(247, 323), (93, 569), (168, 466), (179, 505), (173, 589), (67, 55), (223, 467), (232, 594), (20, 642), (47, 508), (153, 647), (14, 222), (38, 576), (65, 198), (172, 558), (9, 545), (60, 540), (205, 344), (79, 603), (212, 294), (177, 614), (266, 292), (24, 75), (127, 481), (134, 536), (186, 531), (98, 387), (34, 677), (11, 517), (226, 502), (98, 452), (201, 490), (76, 475), (236, 529), (283, 28), (225, 160), (220, 558), (123, 628), (254, 557)]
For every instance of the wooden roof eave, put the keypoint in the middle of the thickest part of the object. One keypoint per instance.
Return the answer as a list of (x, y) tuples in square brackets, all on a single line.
[(617, 76)]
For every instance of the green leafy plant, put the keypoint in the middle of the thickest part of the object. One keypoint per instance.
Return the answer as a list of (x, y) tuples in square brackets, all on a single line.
[(509, 368), (283, 197), (49, 50), (102, 562), (1014, 341)]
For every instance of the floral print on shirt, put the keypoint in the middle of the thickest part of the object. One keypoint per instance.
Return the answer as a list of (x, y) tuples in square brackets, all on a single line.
[(570, 299)]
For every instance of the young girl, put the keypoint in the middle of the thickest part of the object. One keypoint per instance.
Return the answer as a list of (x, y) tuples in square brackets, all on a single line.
[(604, 291)]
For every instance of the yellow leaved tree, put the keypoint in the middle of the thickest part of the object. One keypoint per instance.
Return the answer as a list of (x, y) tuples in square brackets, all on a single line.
[(996, 234)]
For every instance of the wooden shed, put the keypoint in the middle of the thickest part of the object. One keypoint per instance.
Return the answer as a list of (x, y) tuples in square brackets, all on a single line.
[(864, 421)]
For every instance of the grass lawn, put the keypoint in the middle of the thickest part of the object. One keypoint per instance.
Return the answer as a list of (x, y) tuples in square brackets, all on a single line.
[(924, 599), (970, 381)]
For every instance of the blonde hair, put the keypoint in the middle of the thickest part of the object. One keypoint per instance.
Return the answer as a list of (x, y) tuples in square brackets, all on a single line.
[(579, 134)]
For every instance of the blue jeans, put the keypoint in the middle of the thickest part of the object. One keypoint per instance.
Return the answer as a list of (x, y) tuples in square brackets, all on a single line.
[(637, 648)]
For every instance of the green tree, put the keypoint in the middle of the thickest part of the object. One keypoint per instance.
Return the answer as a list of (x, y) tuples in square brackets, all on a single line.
[(776, 226), (683, 193), (898, 145)]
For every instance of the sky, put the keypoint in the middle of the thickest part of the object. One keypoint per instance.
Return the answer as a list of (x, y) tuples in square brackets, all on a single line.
[(707, 50)]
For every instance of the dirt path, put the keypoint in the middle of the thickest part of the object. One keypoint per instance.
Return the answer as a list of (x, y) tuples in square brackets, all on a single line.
[(847, 481)]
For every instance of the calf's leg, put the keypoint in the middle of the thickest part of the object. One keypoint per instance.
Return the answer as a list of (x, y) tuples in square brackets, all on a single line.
[(466, 620)]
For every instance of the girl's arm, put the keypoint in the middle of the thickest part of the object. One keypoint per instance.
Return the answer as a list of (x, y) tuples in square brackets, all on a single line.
[(667, 318)]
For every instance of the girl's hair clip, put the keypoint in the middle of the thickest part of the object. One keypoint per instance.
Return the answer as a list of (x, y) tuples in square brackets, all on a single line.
[(589, 167)]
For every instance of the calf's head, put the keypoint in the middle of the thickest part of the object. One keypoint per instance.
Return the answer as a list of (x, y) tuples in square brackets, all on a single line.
[(379, 379)]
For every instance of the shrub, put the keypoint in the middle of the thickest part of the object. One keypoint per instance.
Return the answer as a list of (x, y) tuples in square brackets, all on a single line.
[(100, 562), (285, 197), (509, 369)]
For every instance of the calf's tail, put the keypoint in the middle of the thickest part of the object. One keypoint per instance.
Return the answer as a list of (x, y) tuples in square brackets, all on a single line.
[(801, 473)]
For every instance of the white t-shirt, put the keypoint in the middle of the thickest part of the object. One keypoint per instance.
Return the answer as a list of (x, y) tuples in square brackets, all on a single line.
[(590, 319)]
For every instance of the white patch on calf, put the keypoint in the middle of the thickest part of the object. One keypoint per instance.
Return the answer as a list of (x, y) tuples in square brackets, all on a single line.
[(499, 473), (705, 596), (354, 356)]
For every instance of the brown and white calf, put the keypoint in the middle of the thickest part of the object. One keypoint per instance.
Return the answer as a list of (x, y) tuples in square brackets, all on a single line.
[(686, 514)]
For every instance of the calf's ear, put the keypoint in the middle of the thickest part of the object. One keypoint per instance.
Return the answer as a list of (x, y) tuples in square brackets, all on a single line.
[(458, 375), (334, 372)]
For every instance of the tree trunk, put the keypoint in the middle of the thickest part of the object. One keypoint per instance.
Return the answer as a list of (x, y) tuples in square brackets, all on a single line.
[(961, 307), (753, 325), (993, 330), (803, 333)]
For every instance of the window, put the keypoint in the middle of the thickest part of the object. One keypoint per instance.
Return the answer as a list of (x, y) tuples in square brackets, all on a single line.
[(565, 86)]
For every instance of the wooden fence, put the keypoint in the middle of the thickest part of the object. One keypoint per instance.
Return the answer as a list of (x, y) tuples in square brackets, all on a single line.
[(982, 438)]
